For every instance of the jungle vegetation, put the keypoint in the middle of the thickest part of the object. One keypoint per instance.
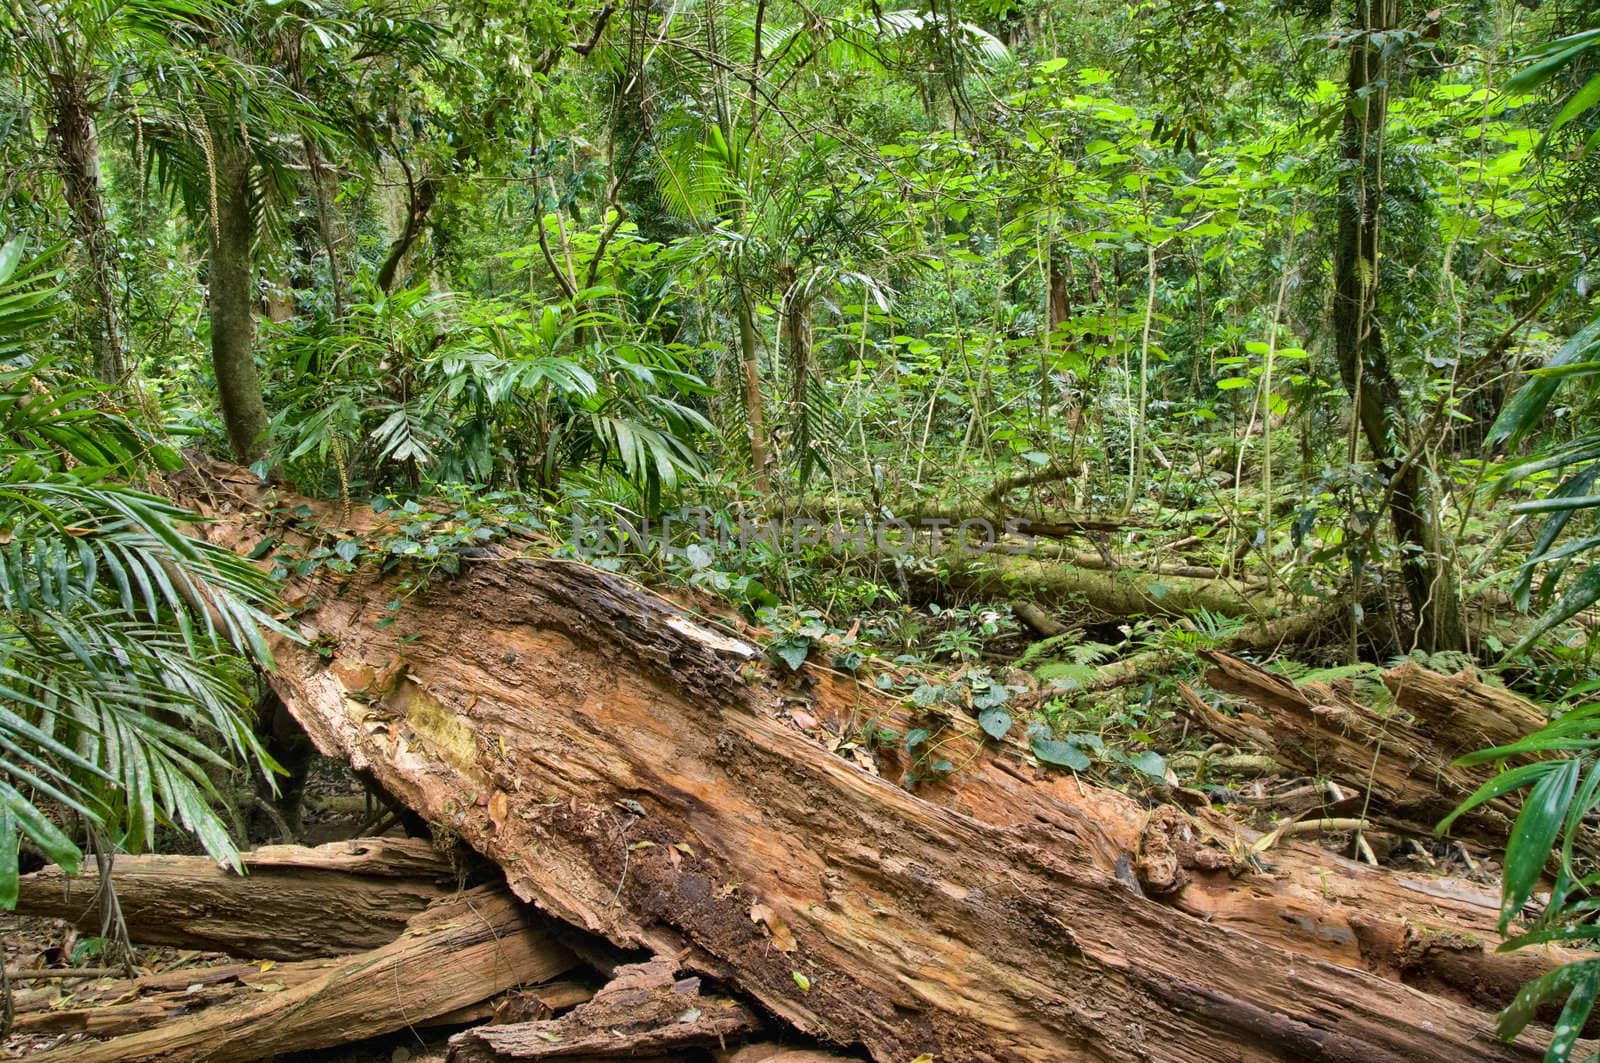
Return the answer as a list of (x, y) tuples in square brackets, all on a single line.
[(1304, 285)]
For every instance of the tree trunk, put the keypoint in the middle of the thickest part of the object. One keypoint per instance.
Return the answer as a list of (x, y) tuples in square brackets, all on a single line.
[(795, 315), (752, 394), (72, 130), (419, 201), (641, 776), (294, 903), (232, 231), (1358, 338)]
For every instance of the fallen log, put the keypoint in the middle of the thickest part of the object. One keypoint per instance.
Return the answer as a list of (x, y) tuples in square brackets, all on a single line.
[(452, 955), (1400, 762), (645, 1012), (1120, 593), (127, 1005), (635, 775), (775, 1053), (295, 902)]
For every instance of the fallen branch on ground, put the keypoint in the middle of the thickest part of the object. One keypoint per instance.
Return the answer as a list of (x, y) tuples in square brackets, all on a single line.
[(295, 902), (454, 954)]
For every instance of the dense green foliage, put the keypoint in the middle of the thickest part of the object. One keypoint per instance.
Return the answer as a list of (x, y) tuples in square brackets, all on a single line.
[(120, 653), (1305, 287)]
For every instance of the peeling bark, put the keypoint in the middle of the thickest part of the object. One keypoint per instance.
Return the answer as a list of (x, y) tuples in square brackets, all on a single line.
[(646, 1011)]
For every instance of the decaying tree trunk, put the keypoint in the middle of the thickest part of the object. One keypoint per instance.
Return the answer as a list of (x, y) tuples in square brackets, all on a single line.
[(1400, 763), (456, 953), (640, 775), (294, 903)]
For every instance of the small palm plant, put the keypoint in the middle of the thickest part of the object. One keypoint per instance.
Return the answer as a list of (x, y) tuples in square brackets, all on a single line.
[(125, 645)]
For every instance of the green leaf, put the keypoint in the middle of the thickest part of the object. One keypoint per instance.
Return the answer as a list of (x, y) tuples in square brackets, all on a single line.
[(10, 255), (793, 652), (348, 549), (1534, 835), (1583, 592), (9, 884), (995, 722), (1063, 754), (1151, 763), (1522, 413), (1574, 977), (1504, 783)]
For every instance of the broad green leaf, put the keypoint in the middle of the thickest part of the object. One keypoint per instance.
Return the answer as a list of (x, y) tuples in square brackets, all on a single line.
[(995, 722), (1064, 754), (1151, 763), (1531, 997), (9, 885)]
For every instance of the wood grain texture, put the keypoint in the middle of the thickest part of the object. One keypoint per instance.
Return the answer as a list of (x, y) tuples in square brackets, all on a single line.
[(295, 902), (456, 953)]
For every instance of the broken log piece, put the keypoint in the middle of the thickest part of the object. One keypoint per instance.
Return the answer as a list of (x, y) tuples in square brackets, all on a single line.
[(373, 857), (1404, 759), (295, 902), (1461, 713), (767, 1052), (646, 1011), (1038, 620), (630, 771), (454, 954), (128, 1005)]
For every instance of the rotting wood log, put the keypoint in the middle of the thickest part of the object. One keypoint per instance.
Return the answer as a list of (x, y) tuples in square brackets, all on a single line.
[(768, 1052), (295, 902), (645, 1012), (123, 1006), (634, 773), (1399, 762), (1258, 636), (1003, 576), (111, 1007), (1038, 620), (455, 953)]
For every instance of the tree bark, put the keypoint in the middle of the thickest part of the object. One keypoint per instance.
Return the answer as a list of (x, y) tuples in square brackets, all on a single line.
[(419, 201), (640, 776), (1358, 338), (295, 902), (751, 368), (232, 232), (795, 316), (453, 954), (72, 130)]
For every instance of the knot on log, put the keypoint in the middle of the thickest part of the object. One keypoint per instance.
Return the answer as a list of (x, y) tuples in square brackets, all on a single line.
[(1166, 847)]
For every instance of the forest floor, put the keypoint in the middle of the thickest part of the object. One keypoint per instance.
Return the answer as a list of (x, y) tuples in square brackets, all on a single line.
[(666, 774)]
